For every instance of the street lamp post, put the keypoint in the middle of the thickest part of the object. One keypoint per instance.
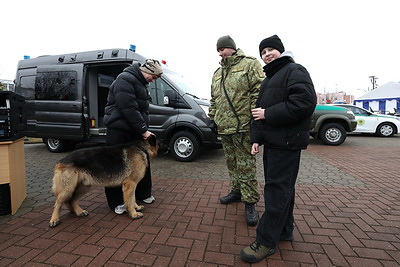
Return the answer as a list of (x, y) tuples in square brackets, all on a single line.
[(373, 81)]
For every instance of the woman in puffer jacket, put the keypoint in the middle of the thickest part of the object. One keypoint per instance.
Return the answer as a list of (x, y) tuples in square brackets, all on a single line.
[(127, 118), (282, 123)]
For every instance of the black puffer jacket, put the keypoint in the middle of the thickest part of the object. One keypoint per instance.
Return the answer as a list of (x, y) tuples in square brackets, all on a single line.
[(128, 102), (289, 99)]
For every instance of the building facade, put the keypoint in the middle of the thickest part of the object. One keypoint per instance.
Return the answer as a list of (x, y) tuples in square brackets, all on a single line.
[(335, 98)]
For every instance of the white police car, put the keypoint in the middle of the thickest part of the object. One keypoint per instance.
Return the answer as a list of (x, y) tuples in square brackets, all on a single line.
[(368, 122)]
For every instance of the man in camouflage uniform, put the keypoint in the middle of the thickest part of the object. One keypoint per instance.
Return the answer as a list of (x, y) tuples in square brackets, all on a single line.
[(234, 91)]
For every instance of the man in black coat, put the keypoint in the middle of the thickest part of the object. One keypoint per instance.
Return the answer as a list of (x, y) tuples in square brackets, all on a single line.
[(282, 123), (127, 119)]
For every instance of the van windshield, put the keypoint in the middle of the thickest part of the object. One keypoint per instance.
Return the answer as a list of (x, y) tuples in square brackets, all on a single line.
[(184, 85)]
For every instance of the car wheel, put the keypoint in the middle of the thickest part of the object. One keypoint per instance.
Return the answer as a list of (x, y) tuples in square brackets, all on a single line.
[(56, 145), (184, 146), (385, 130), (332, 134)]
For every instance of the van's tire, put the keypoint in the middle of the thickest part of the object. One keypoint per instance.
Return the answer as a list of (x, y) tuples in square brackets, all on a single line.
[(184, 146), (332, 134), (56, 145)]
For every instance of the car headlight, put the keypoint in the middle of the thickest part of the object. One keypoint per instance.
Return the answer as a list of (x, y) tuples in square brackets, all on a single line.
[(205, 109)]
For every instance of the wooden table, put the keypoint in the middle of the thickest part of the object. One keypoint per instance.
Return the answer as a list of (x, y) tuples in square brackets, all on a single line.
[(12, 170)]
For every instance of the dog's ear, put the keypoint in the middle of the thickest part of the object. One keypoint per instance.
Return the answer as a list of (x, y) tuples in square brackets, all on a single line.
[(152, 140)]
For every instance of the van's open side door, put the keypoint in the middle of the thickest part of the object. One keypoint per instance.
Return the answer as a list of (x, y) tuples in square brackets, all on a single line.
[(58, 102)]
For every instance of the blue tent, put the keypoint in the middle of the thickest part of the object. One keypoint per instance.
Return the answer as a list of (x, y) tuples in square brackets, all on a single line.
[(385, 99)]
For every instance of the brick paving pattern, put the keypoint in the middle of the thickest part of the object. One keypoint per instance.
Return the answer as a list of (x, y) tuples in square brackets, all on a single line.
[(347, 214)]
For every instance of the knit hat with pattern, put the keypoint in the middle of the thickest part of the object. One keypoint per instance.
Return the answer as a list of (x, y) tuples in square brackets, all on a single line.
[(152, 66)]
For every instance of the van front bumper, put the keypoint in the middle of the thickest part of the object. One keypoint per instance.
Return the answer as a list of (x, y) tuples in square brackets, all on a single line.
[(210, 139)]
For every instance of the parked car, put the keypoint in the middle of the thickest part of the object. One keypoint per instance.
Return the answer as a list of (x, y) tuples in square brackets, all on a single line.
[(330, 124), (368, 122)]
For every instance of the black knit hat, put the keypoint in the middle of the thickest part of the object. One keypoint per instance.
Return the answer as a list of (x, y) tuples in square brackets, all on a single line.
[(226, 42), (274, 41)]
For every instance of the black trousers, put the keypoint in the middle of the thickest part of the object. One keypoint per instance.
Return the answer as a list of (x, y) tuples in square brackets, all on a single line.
[(280, 171), (114, 195)]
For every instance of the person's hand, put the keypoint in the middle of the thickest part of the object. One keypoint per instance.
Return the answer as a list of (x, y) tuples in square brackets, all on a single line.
[(147, 134), (254, 148), (258, 113)]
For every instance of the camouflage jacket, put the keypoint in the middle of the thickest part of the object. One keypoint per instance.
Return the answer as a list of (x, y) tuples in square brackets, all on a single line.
[(242, 77)]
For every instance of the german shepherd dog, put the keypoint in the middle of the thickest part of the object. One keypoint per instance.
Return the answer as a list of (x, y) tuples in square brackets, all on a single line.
[(106, 166)]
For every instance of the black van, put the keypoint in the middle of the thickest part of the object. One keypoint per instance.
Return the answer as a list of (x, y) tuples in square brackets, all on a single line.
[(66, 95)]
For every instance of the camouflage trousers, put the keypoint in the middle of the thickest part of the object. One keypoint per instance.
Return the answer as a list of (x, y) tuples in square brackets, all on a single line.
[(241, 165)]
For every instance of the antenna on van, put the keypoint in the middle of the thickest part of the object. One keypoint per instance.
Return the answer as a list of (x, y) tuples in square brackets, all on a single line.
[(132, 48)]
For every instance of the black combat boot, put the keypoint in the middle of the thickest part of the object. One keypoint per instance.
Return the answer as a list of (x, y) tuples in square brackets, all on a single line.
[(251, 214), (233, 196)]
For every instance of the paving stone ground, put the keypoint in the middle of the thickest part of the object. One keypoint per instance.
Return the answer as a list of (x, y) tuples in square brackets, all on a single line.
[(347, 214)]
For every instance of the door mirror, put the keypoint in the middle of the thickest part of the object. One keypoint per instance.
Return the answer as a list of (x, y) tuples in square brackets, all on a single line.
[(172, 99), (167, 100)]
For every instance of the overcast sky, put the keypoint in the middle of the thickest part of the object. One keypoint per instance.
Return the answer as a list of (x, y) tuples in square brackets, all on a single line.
[(340, 42)]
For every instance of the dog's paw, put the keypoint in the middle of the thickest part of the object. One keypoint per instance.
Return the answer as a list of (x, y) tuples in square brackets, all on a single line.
[(137, 215), (139, 208), (53, 224), (84, 213)]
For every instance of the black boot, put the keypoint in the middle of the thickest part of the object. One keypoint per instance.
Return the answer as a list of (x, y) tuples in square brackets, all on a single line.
[(233, 196), (251, 214)]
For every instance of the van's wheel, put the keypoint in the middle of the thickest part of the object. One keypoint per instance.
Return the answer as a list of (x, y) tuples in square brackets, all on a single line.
[(184, 146), (332, 134), (56, 145)]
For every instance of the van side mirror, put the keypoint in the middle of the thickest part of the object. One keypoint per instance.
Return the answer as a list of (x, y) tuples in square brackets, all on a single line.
[(172, 99), (168, 96)]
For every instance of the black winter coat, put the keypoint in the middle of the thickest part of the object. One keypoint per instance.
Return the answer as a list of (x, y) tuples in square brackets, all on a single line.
[(289, 99), (128, 102)]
